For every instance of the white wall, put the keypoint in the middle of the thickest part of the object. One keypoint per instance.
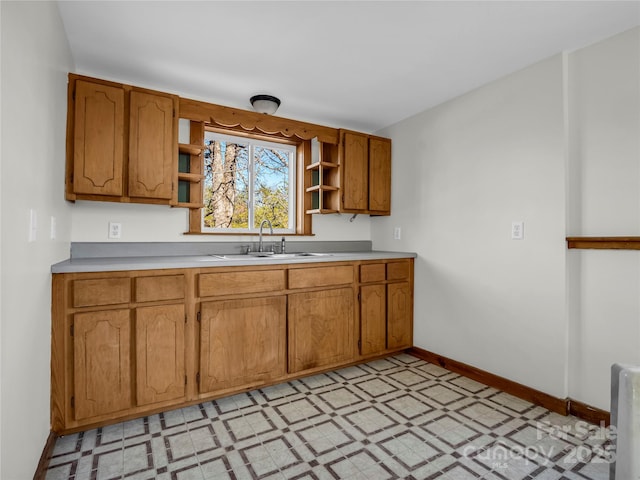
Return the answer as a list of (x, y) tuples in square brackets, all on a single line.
[(604, 200), (556, 145), (462, 172), (35, 62), (160, 223)]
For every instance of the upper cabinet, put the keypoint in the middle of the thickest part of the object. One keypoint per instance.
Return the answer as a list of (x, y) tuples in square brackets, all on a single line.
[(355, 171), (152, 146), (365, 161), (122, 146), (121, 143), (98, 140), (380, 175)]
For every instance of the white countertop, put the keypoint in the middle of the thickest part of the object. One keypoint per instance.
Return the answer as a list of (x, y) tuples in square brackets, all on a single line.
[(111, 264)]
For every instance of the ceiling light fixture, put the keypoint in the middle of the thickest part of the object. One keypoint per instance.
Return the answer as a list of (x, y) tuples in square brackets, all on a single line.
[(265, 104)]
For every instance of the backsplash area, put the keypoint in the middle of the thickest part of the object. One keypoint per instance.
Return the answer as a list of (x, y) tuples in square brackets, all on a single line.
[(157, 249)]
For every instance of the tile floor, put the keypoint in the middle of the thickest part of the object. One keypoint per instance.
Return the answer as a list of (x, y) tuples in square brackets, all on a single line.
[(388, 419)]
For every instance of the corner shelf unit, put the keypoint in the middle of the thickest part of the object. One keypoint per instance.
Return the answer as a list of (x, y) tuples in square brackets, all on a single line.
[(190, 170), (325, 181)]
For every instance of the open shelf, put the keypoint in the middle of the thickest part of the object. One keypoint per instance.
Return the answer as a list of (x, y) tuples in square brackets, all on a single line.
[(321, 188), (324, 182), (321, 210), (190, 166), (190, 177), (317, 165), (190, 148)]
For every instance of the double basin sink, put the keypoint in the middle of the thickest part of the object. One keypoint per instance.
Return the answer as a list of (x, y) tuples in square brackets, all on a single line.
[(268, 255)]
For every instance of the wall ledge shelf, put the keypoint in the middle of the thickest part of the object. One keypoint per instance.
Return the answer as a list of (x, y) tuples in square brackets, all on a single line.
[(604, 243)]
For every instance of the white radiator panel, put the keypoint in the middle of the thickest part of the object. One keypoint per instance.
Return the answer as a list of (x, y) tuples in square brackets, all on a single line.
[(625, 416)]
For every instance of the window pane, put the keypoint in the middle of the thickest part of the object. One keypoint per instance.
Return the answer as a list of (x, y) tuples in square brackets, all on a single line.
[(271, 197), (226, 187)]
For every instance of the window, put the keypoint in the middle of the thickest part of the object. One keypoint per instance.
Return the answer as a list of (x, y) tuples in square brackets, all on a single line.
[(247, 181)]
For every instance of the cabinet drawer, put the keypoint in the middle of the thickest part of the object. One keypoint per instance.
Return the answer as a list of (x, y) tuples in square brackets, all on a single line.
[(372, 273), (101, 291), (165, 287), (320, 276), (398, 270), (229, 283)]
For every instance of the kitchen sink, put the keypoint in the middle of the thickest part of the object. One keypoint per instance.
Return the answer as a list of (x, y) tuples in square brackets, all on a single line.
[(269, 255)]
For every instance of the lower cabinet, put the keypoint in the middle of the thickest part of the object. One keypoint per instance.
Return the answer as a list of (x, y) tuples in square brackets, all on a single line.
[(242, 341), (399, 315), (386, 307), (128, 343), (105, 346), (101, 363), (320, 328), (373, 319), (160, 369)]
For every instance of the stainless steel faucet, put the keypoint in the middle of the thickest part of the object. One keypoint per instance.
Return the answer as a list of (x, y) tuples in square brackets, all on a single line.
[(267, 221)]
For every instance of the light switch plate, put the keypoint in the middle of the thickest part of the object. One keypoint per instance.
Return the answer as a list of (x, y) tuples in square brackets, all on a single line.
[(33, 225), (517, 230)]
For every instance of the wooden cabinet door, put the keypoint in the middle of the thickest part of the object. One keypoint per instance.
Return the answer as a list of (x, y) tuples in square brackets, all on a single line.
[(242, 341), (373, 319), (98, 141), (152, 148), (101, 362), (320, 328), (355, 169), (380, 175), (399, 315), (160, 367)]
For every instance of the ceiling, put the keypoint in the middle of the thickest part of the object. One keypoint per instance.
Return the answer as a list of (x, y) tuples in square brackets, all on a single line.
[(362, 65)]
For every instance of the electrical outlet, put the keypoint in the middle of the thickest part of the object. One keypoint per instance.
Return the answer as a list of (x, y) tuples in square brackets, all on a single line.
[(115, 230), (517, 230), (397, 233)]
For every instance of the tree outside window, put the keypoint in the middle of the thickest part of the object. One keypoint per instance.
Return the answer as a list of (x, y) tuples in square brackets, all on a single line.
[(247, 181)]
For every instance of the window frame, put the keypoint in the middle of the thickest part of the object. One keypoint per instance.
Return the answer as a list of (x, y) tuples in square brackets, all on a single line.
[(253, 141), (303, 219), (243, 122)]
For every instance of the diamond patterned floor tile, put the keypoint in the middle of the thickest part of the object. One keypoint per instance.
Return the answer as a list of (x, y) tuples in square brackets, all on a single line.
[(394, 418)]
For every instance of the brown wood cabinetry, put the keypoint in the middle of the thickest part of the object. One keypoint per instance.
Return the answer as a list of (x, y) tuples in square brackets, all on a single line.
[(373, 319), (325, 180), (320, 276), (101, 362), (386, 306), (241, 282), (320, 328), (380, 176), (122, 143), (399, 315), (152, 146), (98, 139), (122, 146), (355, 171), (118, 345), (242, 342), (160, 362), (365, 180), (131, 343)]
